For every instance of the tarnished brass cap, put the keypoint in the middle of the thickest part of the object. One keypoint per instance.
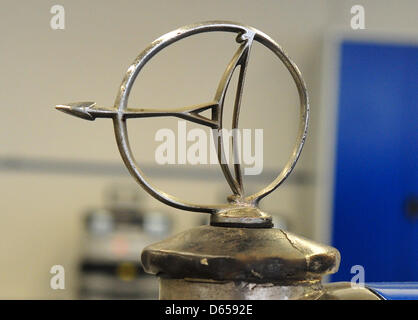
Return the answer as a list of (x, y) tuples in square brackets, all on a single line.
[(248, 254)]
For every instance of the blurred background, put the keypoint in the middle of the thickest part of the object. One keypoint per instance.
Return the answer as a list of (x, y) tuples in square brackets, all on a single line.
[(66, 199)]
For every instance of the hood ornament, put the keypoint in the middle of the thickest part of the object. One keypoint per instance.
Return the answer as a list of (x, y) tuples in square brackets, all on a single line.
[(240, 209), (239, 255)]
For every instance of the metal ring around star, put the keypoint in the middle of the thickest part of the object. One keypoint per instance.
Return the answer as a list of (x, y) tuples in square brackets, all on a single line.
[(245, 34)]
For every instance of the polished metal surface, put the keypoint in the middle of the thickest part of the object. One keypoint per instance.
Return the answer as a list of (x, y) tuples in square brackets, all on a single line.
[(189, 289), (347, 291), (180, 289), (240, 209), (395, 290), (254, 255)]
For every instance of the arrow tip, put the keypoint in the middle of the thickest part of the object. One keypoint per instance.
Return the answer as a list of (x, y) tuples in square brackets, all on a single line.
[(78, 109)]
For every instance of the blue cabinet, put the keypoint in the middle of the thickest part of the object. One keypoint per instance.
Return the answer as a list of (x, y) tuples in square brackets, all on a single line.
[(375, 219)]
